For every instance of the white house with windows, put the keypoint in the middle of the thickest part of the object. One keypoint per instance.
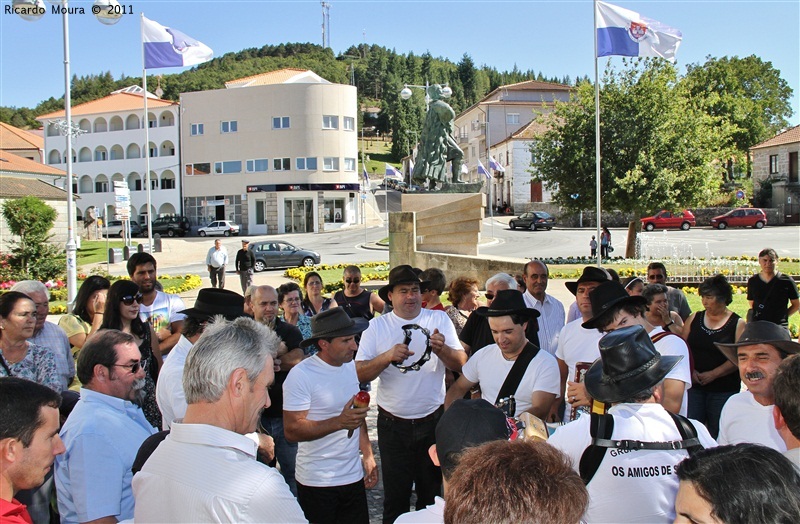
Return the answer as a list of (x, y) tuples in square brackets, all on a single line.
[(506, 120), (111, 148), (275, 152)]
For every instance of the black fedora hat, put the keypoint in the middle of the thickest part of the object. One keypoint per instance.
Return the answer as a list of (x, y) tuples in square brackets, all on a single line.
[(761, 332), (403, 274), (628, 364), (607, 295), (590, 274), (507, 302), (333, 323), (212, 301)]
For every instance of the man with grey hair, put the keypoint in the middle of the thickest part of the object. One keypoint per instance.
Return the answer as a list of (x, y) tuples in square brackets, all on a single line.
[(206, 469), (476, 333), (551, 321), (47, 334), (103, 432)]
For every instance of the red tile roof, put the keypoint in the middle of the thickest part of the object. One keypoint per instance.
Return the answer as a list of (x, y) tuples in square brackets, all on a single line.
[(789, 136)]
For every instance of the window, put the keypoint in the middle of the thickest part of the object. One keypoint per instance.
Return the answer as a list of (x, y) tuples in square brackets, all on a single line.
[(197, 169), (306, 164), (330, 163), (349, 123), (258, 165), (167, 183), (330, 122), (512, 118), (281, 164), (153, 152), (100, 155), (101, 187), (349, 164), (773, 164), (197, 129), (229, 166), (280, 122), (333, 210), (153, 183), (229, 126)]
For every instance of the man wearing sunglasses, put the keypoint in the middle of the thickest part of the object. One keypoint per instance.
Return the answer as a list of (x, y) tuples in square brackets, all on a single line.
[(103, 433)]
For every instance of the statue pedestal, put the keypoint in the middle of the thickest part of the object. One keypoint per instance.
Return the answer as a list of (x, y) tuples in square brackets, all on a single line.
[(445, 222)]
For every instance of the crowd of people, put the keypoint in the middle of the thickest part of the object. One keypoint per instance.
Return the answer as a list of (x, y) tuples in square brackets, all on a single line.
[(253, 407)]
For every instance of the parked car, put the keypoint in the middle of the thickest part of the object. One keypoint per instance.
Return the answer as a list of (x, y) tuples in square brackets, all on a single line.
[(669, 220), (741, 217), (114, 228), (219, 227), (533, 221), (171, 226), (271, 253)]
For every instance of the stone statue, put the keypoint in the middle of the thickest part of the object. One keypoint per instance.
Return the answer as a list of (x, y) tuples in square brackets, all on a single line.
[(89, 218), (437, 143)]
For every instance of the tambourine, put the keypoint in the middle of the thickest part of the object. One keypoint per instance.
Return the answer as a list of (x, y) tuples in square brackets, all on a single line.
[(426, 356)]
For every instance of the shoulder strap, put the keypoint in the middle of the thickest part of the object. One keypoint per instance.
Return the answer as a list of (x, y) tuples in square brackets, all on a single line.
[(658, 336), (688, 433), (514, 376), (602, 427)]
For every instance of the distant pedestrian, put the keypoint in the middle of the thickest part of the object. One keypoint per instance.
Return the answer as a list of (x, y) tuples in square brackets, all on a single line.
[(245, 264), (772, 295), (593, 246), (605, 242), (216, 260)]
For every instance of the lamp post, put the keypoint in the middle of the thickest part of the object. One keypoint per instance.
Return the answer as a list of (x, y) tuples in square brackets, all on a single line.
[(107, 12)]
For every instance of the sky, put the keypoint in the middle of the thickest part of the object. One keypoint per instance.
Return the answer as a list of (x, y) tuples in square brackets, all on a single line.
[(551, 36)]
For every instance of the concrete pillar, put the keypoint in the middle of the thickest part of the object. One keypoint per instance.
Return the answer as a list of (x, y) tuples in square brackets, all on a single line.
[(402, 238)]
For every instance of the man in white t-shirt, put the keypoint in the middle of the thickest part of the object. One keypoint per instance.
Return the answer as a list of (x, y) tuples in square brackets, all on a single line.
[(748, 416), (409, 350), (551, 310), (634, 480), (319, 413), (614, 308), (160, 309), (465, 424), (577, 346), (534, 388)]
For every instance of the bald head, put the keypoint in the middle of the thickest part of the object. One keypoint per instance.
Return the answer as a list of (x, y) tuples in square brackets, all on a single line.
[(264, 301)]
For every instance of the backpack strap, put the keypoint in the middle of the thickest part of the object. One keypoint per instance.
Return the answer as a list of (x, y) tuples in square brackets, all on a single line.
[(688, 433), (601, 427), (517, 371)]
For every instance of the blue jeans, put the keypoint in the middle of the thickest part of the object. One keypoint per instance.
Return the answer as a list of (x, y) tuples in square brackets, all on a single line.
[(706, 407), (285, 451)]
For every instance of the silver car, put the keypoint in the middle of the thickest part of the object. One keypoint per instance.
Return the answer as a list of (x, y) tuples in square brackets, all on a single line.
[(271, 253), (114, 228), (219, 227)]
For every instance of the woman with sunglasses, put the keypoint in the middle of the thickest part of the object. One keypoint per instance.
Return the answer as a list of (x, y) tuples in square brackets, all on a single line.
[(18, 357), (357, 301), (87, 313), (290, 298), (314, 302), (122, 313)]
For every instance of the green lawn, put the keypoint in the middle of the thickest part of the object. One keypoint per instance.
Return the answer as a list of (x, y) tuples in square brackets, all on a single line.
[(379, 153), (93, 251)]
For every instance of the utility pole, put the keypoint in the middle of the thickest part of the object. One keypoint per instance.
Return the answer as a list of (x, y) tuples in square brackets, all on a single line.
[(326, 24)]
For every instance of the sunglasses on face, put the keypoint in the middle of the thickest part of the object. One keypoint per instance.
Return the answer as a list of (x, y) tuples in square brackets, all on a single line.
[(352, 280), (133, 368), (489, 296), (130, 299)]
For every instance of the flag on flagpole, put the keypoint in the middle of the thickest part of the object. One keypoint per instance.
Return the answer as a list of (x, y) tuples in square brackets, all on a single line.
[(464, 169), (168, 47), (495, 165), (483, 171), (392, 171), (366, 176), (623, 32), (410, 166)]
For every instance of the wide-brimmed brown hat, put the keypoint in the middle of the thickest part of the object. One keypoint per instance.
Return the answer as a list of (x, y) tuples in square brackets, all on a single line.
[(607, 295), (212, 301), (333, 323), (590, 274), (403, 274), (760, 332), (507, 302), (628, 364)]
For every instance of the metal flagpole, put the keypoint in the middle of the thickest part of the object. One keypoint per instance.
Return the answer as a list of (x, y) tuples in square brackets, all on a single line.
[(147, 146), (597, 135), (491, 180)]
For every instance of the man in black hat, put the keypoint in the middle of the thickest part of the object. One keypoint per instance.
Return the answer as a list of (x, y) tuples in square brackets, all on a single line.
[(633, 481), (409, 349), (319, 414), (245, 262), (747, 416), (614, 308), (577, 346), (512, 366), (169, 388)]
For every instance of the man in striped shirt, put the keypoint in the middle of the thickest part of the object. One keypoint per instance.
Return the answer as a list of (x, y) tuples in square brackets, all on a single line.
[(550, 308)]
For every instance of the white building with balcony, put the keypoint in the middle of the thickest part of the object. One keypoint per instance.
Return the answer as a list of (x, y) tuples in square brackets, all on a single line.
[(275, 152), (111, 148)]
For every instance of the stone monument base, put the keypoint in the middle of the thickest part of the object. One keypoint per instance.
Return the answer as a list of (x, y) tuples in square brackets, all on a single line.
[(445, 222)]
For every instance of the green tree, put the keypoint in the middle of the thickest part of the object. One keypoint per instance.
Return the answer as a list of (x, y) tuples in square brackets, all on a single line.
[(657, 148), (32, 255)]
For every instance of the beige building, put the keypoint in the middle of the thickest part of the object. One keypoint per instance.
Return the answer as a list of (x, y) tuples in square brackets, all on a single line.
[(505, 120), (21, 143), (776, 160), (275, 152)]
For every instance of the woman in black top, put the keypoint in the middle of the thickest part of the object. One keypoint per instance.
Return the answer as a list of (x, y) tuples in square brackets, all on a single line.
[(714, 377)]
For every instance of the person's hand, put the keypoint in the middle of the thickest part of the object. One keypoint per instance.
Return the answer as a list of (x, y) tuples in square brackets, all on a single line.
[(266, 447), (351, 417), (163, 333), (282, 349), (399, 353), (663, 310), (370, 472), (577, 395), (99, 302), (553, 415), (437, 342)]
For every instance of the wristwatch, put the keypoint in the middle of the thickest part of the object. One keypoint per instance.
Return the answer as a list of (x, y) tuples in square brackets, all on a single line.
[(670, 323)]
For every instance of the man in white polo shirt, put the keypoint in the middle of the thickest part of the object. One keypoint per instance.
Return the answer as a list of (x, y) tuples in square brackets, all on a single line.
[(551, 310)]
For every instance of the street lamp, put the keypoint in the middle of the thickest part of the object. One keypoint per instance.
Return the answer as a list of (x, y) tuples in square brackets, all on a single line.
[(109, 13)]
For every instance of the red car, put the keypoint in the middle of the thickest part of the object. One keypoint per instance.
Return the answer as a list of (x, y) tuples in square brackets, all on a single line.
[(668, 220), (741, 217)]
